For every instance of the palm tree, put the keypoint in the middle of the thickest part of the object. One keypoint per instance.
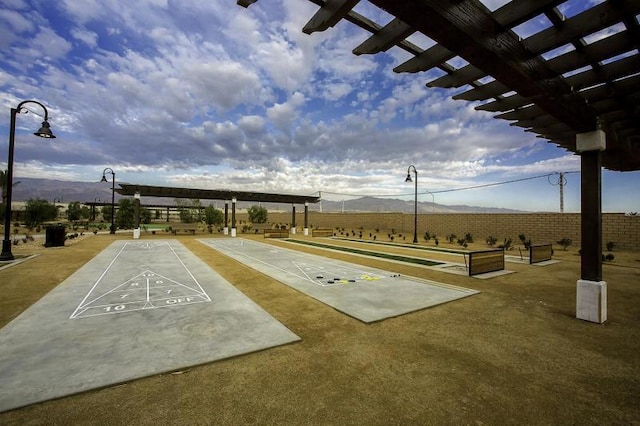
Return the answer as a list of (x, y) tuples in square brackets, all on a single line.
[(4, 184)]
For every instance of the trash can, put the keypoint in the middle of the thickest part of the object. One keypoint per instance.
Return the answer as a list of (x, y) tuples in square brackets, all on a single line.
[(55, 236)]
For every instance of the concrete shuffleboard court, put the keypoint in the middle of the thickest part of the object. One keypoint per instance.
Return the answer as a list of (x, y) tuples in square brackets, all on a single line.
[(134, 310), (365, 293)]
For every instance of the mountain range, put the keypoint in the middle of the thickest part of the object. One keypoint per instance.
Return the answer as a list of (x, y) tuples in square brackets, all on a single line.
[(65, 192)]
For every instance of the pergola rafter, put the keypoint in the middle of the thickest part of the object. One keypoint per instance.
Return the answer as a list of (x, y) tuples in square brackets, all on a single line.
[(591, 85), (575, 83)]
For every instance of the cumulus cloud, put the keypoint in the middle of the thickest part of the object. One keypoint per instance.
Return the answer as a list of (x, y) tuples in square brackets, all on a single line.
[(191, 95), (284, 114), (87, 37)]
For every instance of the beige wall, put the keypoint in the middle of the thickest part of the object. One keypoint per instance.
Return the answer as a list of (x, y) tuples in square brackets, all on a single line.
[(623, 230)]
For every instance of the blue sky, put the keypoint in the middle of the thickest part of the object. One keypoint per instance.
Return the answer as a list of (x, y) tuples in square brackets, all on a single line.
[(211, 95)]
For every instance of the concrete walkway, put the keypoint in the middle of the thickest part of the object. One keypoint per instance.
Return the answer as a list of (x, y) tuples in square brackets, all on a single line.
[(136, 309)]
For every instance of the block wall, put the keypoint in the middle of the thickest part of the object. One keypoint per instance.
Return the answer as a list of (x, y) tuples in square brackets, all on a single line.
[(623, 230)]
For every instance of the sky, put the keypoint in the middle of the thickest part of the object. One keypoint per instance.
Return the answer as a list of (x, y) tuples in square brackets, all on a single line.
[(208, 94)]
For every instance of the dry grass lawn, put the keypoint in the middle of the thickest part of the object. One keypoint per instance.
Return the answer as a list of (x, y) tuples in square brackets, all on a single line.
[(513, 354)]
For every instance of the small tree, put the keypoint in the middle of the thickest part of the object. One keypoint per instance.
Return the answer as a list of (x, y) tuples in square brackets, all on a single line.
[(565, 242), (491, 240), (74, 210), (125, 216), (212, 216), (525, 241), (106, 213), (38, 211), (190, 210), (145, 215), (257, 214), (186, 216), (506, 245), (85, 213)]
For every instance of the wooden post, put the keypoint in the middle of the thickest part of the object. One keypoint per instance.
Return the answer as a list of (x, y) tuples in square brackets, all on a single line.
[(591, 291)]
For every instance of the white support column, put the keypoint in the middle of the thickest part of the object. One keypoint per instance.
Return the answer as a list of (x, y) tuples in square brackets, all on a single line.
[(226, 218), (136, 230), (591, 290), (233, 217), (591, 301)]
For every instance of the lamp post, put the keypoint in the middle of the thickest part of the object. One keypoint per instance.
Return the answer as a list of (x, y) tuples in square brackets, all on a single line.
[(57, 200), (43, 132), (93, 208), (433, 201), (415, 202), (113, 189)]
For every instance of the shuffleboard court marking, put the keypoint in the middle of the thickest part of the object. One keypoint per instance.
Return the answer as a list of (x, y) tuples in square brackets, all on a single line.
[(334, 275), (365, 293), (320, 275), (148, 289), (46, 355)]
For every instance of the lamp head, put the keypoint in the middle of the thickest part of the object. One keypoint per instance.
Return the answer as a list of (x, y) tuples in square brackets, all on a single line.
[(45, 131), (408, 179), (104, 178)]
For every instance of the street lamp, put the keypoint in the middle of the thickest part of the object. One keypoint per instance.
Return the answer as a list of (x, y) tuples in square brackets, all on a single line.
[(93, 208), (415, 202), (43, 132), (113, 188), (433, 201), (57, 200)]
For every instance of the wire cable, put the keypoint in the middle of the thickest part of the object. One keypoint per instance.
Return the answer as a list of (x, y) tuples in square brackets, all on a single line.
[(486, 185)]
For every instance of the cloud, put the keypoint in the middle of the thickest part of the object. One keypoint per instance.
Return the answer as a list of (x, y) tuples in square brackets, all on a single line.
[(221, 96), (284, 114), (87, 37)]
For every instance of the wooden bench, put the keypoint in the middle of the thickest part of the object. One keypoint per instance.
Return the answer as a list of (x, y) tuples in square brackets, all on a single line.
[(540, 253), (184, 227), (276, 233), (259, 228), (484, 261), (322, 232)]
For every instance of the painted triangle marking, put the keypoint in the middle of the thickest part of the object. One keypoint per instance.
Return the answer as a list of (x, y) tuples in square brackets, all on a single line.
[(145, 290), (142, 281)]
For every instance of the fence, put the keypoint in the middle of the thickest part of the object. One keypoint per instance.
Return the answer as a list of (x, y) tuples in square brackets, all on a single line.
[(623, 230)]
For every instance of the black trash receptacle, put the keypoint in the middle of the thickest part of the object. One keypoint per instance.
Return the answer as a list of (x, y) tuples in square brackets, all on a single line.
[(55, 236)]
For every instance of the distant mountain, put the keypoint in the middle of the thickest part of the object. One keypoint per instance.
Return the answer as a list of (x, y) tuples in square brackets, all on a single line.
[(379, 205), (66, 192)]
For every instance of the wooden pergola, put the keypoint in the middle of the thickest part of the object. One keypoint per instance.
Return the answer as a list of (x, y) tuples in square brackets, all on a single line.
[(222, 194), (575, 83)]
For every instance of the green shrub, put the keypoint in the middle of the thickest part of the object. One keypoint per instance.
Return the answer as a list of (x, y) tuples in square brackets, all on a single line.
[(565, 242), (506, 245), (525, 241)]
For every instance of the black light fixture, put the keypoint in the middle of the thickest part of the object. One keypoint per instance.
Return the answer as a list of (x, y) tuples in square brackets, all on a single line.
[(113, 188), (44, 132), (415, 202)]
